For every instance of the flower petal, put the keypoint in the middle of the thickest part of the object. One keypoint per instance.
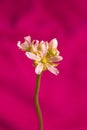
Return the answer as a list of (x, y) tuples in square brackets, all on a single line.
[(52, 69), (53, 43), (55, 59), (39, 68), (37, 41), (19, 44), (24, 46), (33, 56), (46, 45), (28, 39), (36, 44), (43, 48), (33, 48)]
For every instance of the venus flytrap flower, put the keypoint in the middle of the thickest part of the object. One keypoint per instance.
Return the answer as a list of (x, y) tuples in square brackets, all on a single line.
[(45, 56)]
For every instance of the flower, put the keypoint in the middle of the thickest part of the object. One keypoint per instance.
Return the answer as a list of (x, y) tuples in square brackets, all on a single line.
[(26, 45), (44, 54)]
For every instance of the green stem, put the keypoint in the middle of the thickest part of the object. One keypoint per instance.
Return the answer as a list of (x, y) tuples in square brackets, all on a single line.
[(37, 102)]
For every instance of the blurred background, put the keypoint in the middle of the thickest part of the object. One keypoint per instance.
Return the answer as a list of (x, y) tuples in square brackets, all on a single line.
[(63, 98)]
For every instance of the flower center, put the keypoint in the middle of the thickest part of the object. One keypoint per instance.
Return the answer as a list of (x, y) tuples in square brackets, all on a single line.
[(44, 60)]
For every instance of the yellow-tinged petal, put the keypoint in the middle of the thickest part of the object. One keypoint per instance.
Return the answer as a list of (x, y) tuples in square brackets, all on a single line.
[(52, 69), (53, 43), (55, 58)]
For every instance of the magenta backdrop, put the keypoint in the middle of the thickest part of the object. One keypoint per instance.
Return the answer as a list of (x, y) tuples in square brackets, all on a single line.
[(63, 98)]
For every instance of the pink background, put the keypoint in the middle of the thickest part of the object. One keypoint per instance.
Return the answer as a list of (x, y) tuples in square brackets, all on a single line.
[(63, 98)]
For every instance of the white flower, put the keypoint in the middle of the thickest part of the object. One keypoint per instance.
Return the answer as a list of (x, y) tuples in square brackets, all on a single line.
[(45, 56), (26, 45)]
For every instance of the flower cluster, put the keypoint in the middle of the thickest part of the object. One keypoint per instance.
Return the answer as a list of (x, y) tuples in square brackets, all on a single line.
[(45, 55)]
